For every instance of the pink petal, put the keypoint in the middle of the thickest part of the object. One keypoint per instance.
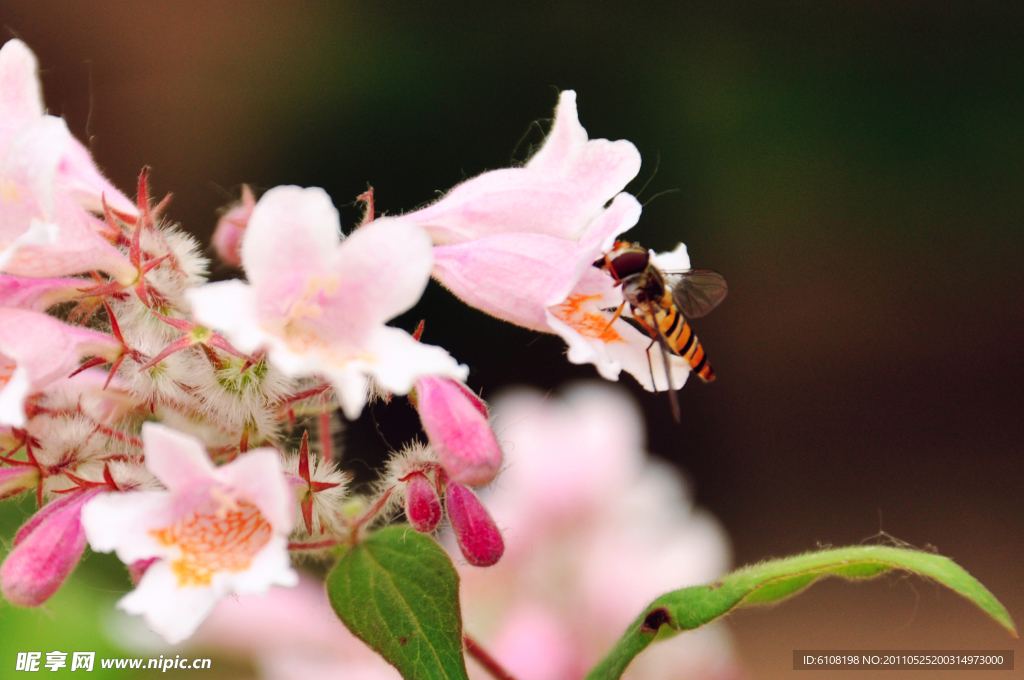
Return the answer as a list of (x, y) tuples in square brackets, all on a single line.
[(292, 233), (227, 237), (558, 193), (259, 476), (455, 420), (516, 277), (38, 295), (37, 567), (178, 460), (78, 176), (21, 98), (39, 349)]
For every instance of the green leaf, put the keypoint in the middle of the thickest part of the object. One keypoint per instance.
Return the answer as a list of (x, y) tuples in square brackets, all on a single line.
[(399, 593), (772, 581)]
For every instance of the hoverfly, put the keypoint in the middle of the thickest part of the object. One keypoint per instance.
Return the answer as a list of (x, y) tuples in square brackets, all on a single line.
[(660, 302)]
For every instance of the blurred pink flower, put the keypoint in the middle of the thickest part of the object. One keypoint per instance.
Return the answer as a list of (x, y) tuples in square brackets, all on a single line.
[(595, 530), (216, 531), (319, 302)]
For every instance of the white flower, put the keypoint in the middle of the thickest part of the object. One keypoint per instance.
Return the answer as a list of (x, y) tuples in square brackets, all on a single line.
[(319, 303), (213, 532)]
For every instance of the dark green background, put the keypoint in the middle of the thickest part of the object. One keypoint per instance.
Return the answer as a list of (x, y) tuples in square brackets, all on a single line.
[(853, 168)]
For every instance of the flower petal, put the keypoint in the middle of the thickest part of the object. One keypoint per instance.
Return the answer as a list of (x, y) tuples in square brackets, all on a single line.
[(258, 475), (21, 98), (178, 460), (558, 193)]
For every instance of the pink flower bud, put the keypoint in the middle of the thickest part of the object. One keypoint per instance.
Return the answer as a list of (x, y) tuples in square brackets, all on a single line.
[(227, 237), (455, 420), (422, 506), (46, 550), (477, 534), (14, 480)]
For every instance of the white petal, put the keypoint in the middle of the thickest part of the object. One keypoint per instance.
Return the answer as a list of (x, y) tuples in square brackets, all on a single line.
[(229, 307), (178, 460), (171, 611), (291, 229), (672, 261), (33, 157), (122, 522), (259, 477), (271, 566), (12, 398), (21, 98)]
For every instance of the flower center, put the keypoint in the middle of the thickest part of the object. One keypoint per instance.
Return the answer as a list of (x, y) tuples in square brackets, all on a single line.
[(222, 535), (591, 323), (9, 191), (302, 335)]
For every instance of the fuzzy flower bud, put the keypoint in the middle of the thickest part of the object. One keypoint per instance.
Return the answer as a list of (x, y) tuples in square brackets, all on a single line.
[(455, 420), (422, 506), (227, 237), (478, 536), (45, 551)]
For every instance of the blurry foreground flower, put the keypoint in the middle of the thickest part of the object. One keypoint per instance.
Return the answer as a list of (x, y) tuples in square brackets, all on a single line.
[(213, 532), (595, 530)]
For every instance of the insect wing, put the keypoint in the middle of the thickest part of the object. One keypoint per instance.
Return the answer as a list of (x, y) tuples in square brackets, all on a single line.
[(698, 291)]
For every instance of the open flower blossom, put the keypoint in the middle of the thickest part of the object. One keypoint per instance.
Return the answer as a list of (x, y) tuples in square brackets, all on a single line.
[(318, 303), (35, 351), (214, 531), (520, 244), (48, 185)]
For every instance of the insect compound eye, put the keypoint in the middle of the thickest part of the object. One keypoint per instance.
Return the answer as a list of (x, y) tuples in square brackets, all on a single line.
[(630, 262)]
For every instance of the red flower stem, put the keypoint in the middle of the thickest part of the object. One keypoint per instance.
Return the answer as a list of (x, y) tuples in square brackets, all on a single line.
[(485, 660)]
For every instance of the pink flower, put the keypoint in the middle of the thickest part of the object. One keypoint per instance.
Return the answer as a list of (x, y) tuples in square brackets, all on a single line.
[(455, 420), (227, 237), (48, 182), (319, 303), (45, 551), (520, 244), (593, 534), (35, 351), (215, 531)]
